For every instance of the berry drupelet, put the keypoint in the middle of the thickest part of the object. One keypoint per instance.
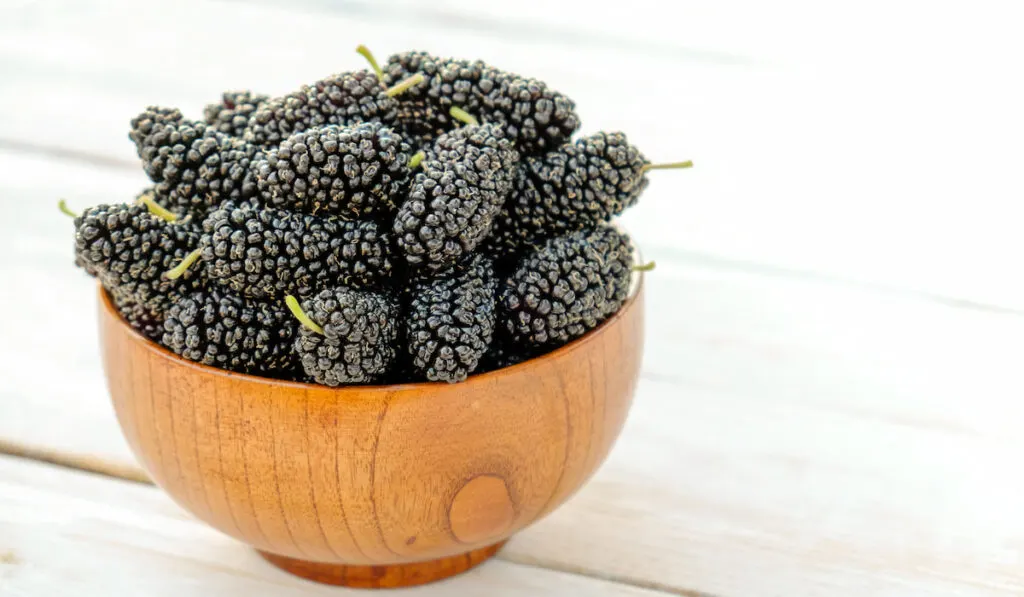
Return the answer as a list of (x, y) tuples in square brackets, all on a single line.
[(347, 336), (129, 249), (217, 327), (231, 115), (270, 252), (347, 171), (150, 120), (567, 287), (453, 201), (450, 321)]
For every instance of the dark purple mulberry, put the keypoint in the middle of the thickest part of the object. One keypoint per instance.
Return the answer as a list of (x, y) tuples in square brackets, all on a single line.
[(567, 287), (450, 321), (129, 249), (352, 172), (355, 340), (453, 202), (231, 115), (268, 252), (343, 99), (219, 328)]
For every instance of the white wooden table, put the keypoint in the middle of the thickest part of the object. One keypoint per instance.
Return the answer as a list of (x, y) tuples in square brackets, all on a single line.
[(834, 377)]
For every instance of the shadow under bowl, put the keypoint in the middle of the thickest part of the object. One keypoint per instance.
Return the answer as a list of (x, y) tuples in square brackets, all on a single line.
[(374, 486)]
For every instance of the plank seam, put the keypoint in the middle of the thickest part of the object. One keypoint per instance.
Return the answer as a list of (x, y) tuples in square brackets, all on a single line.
[(619, 579)]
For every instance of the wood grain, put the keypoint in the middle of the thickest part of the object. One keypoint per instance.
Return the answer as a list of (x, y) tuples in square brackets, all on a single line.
[(66, 533), (375, 476)]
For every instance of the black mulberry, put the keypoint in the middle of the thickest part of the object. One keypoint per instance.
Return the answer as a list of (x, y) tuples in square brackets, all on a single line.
[(424, 111), (197, 167), (144, 319), (567, 287), (347, 336), (578, 186), (269, 252), (231, 115), (129, 250), (343, 99), (352, 172), (219, 328), (151, 119), (450, 321), (534, 117), (452, 203)]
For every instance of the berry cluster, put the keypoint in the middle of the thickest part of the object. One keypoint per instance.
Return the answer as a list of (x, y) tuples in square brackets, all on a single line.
[(425, 220)]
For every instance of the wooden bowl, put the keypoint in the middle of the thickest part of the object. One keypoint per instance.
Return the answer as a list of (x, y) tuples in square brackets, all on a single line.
[(374, 486)]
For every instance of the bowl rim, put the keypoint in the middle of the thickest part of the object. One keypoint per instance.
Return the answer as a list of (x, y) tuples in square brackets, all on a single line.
[(355, 390)]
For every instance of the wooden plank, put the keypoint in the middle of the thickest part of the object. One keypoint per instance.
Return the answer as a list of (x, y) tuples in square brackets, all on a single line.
[(815, 151), (70, 533), (826, 438)]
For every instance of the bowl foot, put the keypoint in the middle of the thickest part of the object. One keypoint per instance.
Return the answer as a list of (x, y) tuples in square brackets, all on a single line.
[(383, 577)]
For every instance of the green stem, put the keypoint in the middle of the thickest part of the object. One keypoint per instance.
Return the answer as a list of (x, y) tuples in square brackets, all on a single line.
[(296, 309), (405, 85), (62, 205), (180, 269), (646, 267), (463, 116), (667, 166), (416, 159), (366, 53), (156, 209)]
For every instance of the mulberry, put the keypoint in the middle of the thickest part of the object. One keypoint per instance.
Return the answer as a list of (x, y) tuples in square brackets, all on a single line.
[(231, 115), (147, 321), (343, 99), (347, 336), (452, 203), (533, 116), (424, 111), (567, 287), (269, 252), (352, 172), (219, 328), (151, 119), (129, 249), (579, 186), (450, 321), (197, 167)]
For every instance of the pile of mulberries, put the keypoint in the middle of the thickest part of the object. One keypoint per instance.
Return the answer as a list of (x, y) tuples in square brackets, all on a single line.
[(425, 220)]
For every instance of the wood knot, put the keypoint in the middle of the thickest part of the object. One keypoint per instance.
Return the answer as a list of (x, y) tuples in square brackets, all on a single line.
[(482, 510)]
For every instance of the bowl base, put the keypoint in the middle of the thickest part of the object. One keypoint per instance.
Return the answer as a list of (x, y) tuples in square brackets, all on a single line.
[(383, 577)]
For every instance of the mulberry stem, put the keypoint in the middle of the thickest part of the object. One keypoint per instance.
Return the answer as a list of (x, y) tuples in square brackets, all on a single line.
[(404, 85), (463, 116), (416, 159), (156, 209), (62, 205), (296, 309), (646, 267), (366, 53), (180, 269), (667, 166)]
